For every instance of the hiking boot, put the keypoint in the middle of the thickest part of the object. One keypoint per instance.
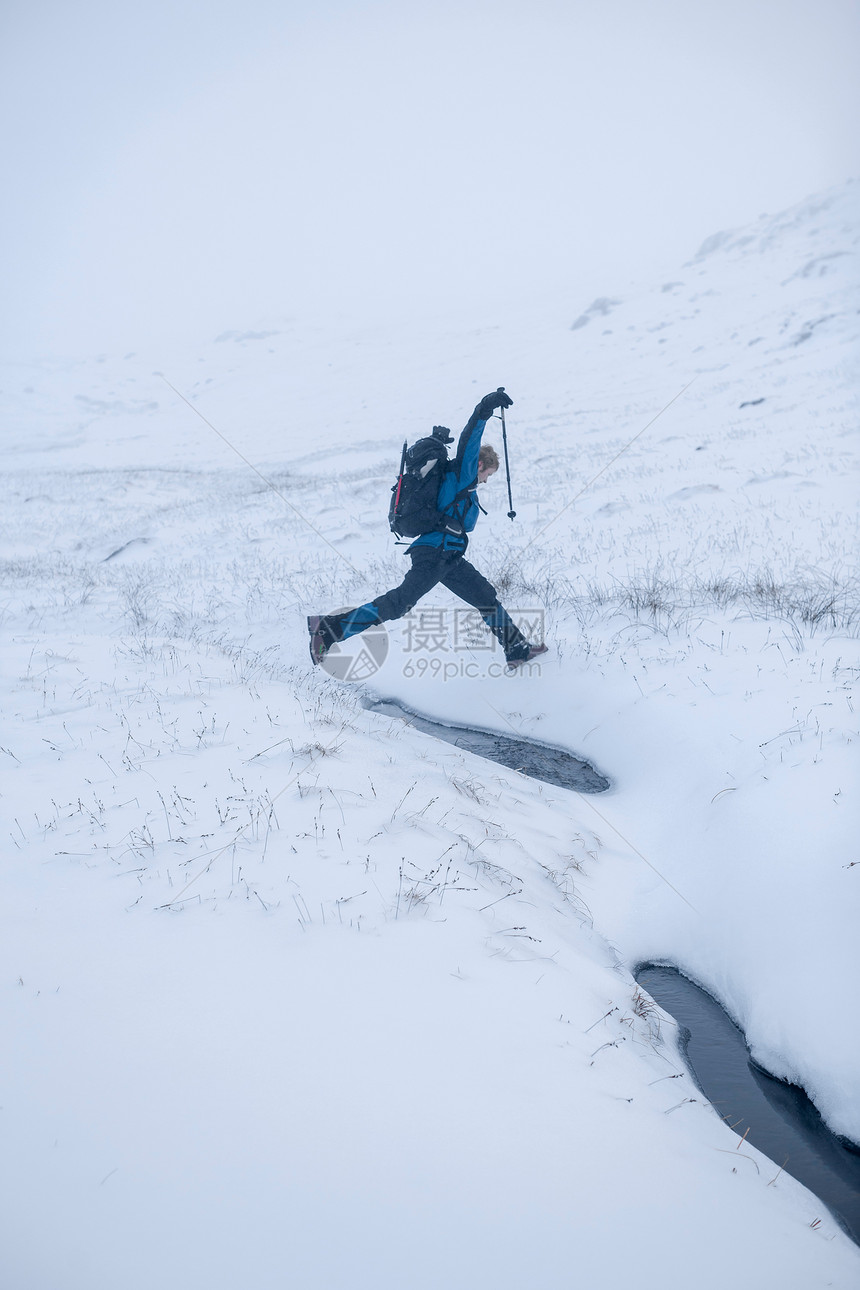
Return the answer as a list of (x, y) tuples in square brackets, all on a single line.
[(534, 652), (322, 638)]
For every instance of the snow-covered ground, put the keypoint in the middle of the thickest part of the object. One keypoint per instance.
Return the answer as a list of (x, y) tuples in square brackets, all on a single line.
[(294, 995)]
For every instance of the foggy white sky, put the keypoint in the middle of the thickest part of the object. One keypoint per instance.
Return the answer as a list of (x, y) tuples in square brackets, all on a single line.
[(177, 168)]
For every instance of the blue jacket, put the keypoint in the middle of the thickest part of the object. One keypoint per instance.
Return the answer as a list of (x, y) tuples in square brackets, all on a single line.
[(458, 499)]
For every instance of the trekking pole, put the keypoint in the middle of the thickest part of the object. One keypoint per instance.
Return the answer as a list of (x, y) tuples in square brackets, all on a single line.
[(511, 512), (400, 481)]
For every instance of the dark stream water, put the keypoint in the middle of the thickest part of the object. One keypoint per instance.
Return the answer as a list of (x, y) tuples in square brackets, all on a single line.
[(781, 1120), (539, 761)]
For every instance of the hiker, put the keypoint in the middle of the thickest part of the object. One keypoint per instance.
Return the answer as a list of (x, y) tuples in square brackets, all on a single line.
[(438, 554)]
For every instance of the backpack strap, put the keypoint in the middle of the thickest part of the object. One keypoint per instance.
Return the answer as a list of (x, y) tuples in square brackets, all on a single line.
[(464, 492), (455, 500)]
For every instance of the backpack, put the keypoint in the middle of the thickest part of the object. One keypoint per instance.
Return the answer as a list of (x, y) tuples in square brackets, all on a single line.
[(413, 509)]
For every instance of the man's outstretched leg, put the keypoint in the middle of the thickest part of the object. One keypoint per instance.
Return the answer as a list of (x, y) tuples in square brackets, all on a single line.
[(428, 567), (466, 582)]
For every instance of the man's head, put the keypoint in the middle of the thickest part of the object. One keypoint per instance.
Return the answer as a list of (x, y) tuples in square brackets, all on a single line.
[(488, 462)]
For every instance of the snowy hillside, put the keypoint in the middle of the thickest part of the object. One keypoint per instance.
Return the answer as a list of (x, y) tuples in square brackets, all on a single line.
[(295, 995)]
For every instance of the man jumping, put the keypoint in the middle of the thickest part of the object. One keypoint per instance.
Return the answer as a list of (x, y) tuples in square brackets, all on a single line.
[(438, 556)]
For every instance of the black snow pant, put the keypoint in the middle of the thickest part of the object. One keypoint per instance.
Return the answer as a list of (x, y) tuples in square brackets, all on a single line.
[(430, 567)]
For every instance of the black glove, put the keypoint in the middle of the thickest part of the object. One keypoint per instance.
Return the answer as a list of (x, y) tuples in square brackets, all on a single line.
[(489, 403)]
